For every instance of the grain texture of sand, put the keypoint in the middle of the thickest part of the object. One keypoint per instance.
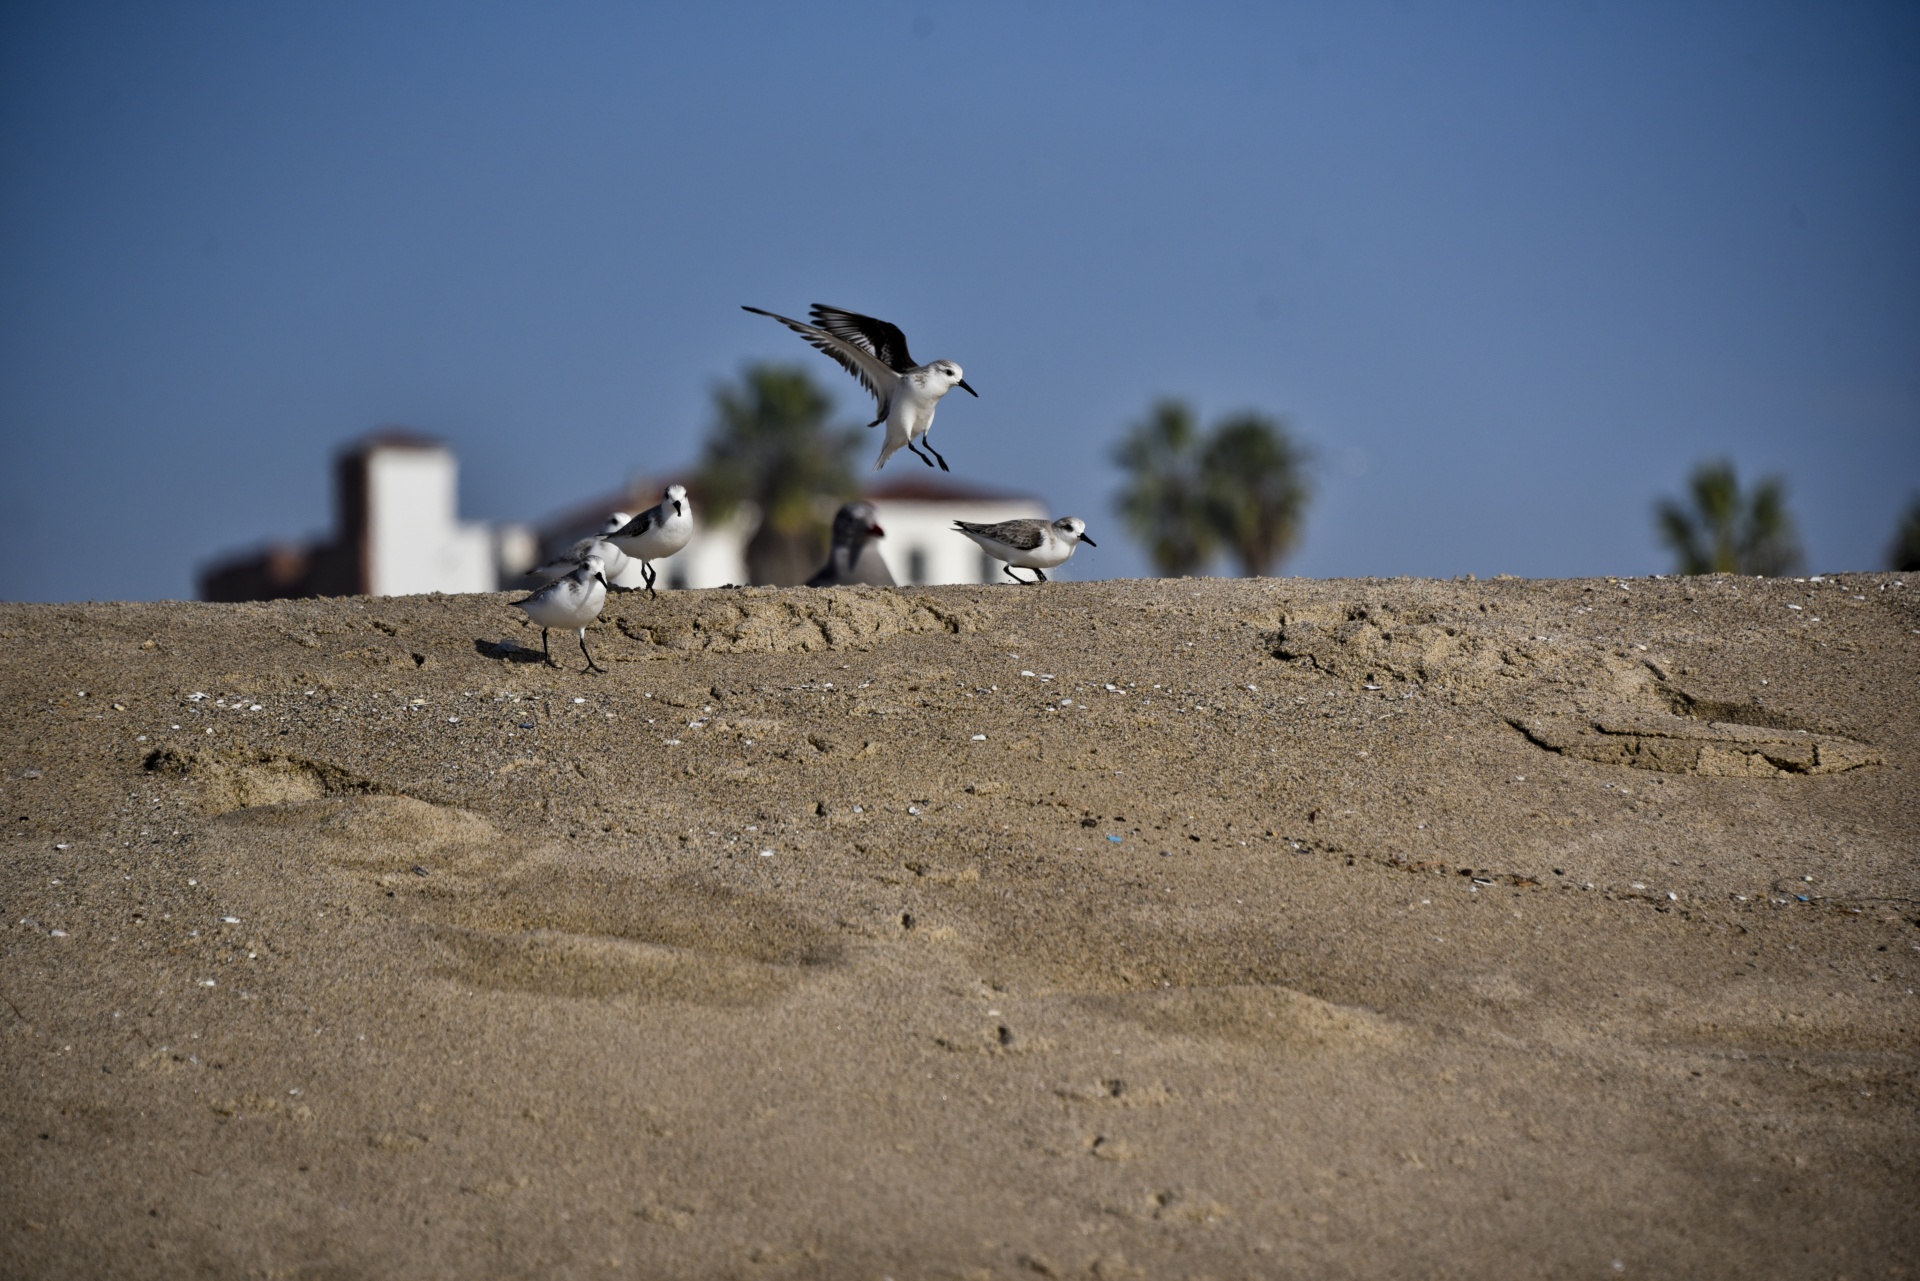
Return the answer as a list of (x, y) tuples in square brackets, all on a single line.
[(1129, 929)]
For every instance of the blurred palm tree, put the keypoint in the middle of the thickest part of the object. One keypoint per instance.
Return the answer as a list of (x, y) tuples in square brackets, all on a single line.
[(1164, 500), (1725, 531), (1256, 490), (771, 446), (1904, 555)]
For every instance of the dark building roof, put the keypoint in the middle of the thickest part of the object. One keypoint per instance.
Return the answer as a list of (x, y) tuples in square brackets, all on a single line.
[(284, 571), (928, 489), (390, 438)]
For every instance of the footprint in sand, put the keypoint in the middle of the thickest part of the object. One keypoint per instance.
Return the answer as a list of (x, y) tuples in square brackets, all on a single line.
[(1583, 699), (498, 914), (570, 931), (1279, 1017)]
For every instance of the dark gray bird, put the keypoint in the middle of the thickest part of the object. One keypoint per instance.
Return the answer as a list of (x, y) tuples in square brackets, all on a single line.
[(855, 557)]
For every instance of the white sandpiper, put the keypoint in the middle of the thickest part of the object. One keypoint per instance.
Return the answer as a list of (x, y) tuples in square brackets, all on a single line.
[(614, 560), (855, 558), (657, 532), (875, 352), (1037, 545), (572, 602)]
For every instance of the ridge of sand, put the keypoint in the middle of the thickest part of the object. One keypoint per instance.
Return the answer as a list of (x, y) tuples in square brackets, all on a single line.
[(1161, 928)]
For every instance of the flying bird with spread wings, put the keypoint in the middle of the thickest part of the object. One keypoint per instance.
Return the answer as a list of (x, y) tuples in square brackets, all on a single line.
[(875, 352)]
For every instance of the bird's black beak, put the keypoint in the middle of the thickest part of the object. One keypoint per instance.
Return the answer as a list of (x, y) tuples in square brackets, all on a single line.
[(1088, 541), (676, 507), (876, 531), (962, 384)]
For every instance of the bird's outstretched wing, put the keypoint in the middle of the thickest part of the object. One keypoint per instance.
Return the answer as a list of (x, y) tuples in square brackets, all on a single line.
[(1021, 535), (883, 340), (873, 373)]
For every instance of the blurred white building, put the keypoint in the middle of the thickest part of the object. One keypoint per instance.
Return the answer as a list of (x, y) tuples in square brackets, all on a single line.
[(397, 531), (410, 531)]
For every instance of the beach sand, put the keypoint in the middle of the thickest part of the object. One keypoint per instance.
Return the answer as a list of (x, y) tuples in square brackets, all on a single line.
[(1186, 928)]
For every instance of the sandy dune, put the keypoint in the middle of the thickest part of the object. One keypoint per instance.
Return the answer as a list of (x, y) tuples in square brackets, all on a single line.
[(1152, 929)]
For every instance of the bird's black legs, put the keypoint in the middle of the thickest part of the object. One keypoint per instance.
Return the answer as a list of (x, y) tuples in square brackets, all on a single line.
[(928, 446), (591, 665), (1039, 575), (544, 651), (1024, 582), (646, 570)]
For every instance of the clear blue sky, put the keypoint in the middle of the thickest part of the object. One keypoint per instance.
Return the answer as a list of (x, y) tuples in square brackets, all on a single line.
[(1512, 269)]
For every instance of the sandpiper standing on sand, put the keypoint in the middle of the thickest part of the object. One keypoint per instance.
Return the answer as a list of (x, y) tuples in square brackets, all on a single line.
[(1031, 544), (657, 532), (573, 602)]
